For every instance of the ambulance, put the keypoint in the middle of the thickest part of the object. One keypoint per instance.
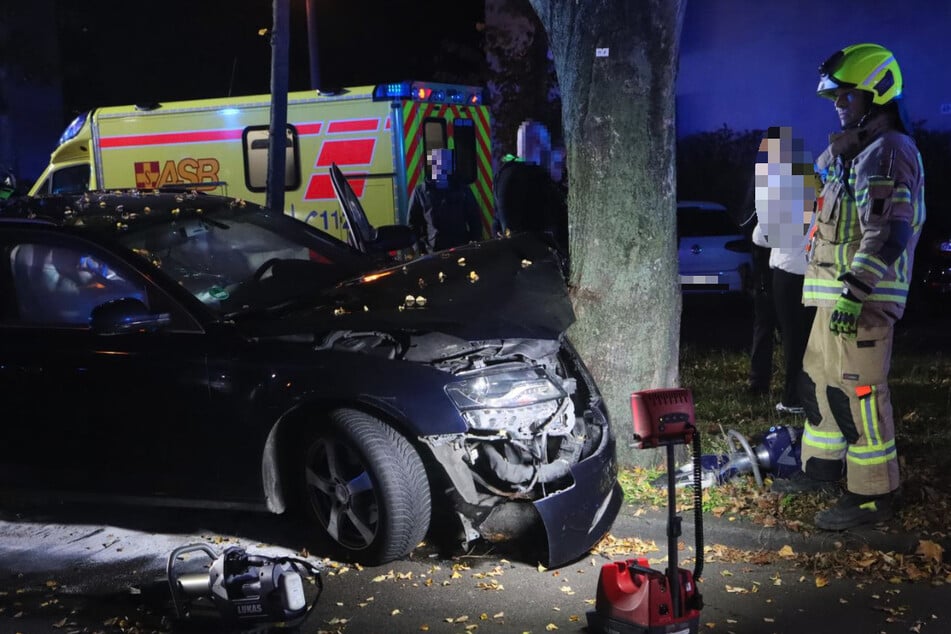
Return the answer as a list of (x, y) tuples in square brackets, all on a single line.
[(378, 136)]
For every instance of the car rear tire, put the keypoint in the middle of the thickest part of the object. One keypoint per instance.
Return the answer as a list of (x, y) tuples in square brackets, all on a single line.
[(366, 487)]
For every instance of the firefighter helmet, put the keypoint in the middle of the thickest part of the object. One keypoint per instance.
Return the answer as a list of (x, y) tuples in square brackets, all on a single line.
[(867, 67)]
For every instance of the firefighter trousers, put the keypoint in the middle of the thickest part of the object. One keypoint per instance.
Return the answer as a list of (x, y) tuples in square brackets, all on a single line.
[(847, 400)]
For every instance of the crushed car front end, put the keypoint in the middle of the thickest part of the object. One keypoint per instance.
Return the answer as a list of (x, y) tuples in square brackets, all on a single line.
[(538, 457)]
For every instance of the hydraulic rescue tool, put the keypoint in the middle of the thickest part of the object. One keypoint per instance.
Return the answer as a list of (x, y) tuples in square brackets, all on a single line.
[(777, 453), (248, 591), (632, 597)]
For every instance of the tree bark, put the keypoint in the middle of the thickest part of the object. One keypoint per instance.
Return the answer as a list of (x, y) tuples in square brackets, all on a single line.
[(616, 63)]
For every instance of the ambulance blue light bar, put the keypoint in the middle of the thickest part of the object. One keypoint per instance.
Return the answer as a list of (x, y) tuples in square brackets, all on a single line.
[(73, 128), (429, 92)]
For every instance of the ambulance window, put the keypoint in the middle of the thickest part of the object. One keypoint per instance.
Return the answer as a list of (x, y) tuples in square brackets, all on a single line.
[(70, 180), (255, 142), (434, 135), (463, 136)]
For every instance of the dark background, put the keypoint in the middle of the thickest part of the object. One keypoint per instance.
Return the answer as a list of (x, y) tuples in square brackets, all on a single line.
[(118, 52)]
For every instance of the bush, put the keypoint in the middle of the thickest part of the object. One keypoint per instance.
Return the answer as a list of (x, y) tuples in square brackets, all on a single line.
[(718, 166)]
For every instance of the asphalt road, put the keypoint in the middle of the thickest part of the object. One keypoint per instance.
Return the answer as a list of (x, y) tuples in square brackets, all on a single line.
[(67, 570)]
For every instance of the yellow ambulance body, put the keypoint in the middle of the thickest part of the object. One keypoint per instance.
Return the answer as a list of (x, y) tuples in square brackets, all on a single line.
[(377, 135)]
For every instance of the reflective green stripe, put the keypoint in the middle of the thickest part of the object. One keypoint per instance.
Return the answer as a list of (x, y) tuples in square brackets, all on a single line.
[(901, 194), (868, 406), (891, 292), (870, 263), (885, 291), (816, 288), (880, 454), (875, 451), (831, 441)]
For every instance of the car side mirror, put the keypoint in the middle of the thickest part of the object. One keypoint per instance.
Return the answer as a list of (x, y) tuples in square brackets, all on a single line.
[(393, 238), (124, 316)]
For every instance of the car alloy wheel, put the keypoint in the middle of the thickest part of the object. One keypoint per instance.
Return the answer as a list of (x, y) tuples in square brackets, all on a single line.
[(367, 488)]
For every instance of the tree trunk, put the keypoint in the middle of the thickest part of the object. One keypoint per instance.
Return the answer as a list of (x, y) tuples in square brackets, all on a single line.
[(522, 82), (616, 63)]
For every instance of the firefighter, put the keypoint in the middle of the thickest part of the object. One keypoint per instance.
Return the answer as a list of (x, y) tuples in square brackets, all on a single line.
[(869, 219)]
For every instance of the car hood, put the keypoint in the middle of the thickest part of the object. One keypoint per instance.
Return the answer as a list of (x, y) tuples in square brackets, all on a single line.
[(511, 287)]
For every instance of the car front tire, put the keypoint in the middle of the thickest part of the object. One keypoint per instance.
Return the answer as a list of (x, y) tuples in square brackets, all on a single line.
[(366, 487)]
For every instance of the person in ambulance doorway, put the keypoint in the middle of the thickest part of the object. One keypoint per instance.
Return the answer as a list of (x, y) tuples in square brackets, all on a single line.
[(443, 211), (869, 219)]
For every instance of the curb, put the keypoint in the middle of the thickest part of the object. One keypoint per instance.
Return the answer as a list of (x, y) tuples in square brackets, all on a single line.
[(741, 533)]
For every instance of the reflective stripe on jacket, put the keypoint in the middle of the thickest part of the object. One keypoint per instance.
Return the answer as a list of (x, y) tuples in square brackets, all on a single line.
[(860, 201)]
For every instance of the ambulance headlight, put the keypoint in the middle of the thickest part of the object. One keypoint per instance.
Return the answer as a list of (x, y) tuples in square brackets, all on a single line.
[(74, 127)]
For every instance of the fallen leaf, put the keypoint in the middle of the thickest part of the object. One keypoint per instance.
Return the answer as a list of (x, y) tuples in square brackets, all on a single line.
[(821, 581), (930, 550)]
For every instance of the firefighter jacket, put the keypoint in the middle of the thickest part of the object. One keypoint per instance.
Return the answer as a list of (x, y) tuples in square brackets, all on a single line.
[(869, 217)]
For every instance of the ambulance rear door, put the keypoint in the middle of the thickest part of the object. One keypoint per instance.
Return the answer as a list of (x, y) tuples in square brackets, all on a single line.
[(435, 116)]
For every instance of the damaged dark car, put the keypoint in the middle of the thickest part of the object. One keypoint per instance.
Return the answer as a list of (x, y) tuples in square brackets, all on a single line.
[(185, 349)]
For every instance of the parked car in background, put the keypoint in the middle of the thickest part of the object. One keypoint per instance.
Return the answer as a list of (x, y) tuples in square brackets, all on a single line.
[(933, 263), (715, 256), (178, 348)]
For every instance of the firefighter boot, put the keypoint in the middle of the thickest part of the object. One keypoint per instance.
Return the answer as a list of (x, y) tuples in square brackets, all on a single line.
[(853, 510)]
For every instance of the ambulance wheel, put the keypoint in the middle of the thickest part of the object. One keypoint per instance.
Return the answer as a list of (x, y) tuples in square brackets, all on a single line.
[(366, 487)]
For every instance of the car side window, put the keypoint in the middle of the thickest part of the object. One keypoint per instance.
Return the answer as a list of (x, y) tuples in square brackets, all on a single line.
[(61, 284)]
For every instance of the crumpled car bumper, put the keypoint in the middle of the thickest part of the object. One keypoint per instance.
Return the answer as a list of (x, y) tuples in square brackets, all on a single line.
[(576, 518)]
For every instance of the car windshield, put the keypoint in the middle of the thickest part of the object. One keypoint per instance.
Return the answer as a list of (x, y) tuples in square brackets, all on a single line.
[(239, 260)]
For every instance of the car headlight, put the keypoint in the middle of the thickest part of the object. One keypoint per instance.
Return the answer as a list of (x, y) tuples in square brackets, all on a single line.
[(505, 389)]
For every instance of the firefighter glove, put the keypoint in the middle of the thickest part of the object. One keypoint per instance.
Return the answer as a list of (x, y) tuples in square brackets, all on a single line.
[(845, 315)]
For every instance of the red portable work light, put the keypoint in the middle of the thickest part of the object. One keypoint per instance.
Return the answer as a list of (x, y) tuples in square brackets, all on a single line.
[(632, 597)]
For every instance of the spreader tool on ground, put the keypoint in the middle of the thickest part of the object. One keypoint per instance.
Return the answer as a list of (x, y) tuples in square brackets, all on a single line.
[(248, 591), (632, 597), (776, 454)]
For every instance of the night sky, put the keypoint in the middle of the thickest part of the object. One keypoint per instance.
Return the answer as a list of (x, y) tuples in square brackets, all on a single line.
[(118, 52)]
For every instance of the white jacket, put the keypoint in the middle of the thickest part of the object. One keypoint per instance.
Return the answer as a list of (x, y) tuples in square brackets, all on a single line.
[(789, 259)]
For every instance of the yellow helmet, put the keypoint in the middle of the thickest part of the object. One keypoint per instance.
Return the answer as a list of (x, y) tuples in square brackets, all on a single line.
[(867, 67)]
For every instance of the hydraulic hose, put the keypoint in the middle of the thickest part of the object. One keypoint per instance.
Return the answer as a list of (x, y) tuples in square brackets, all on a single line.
[(697, 507), (754, 463)]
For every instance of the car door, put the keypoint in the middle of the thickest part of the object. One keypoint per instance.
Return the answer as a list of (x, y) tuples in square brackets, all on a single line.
[(85, 411)]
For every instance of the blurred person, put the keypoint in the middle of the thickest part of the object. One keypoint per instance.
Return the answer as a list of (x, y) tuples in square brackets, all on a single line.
[(764, 323), (785, 201), (528, 190), (868, 223), (443, 210)]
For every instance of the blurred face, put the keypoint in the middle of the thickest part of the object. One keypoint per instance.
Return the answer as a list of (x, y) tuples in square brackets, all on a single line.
[(850, 105), (785, 188)]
